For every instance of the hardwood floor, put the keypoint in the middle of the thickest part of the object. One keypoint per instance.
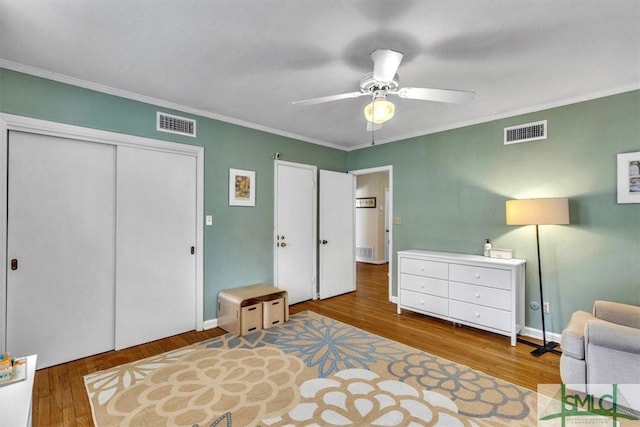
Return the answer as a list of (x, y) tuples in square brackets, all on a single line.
[(368, 308), (59, 397)]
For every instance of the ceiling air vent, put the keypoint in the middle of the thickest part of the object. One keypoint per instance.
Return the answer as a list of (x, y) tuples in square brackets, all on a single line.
[(174, 124), (526, 132)]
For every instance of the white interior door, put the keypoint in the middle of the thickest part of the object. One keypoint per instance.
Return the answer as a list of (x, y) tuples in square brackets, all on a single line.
[(295, 230), (156, 267), (337, 234), (61, 234)]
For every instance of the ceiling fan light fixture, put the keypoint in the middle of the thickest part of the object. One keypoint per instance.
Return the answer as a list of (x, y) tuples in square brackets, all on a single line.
[(379, 110)]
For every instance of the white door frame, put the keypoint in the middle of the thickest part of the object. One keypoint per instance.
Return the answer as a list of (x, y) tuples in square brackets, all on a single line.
[(387, 223), (25, 124), (389, 170)]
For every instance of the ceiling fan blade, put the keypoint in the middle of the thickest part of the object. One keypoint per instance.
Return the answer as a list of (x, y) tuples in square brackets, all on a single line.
[(438, 95), (385, 64), (329, 98)]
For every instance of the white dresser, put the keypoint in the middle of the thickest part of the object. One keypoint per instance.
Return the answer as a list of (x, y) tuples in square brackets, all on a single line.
[(486, 293)]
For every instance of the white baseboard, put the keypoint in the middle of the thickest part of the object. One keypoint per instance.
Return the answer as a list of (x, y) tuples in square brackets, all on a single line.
[(210, 324), (537, 334), (371, 261)]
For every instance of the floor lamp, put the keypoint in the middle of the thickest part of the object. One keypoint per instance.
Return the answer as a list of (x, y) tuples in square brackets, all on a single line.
[(539, 212)]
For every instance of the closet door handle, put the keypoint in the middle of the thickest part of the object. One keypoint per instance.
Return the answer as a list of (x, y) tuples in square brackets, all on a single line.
[(193, 250), (14, 264)]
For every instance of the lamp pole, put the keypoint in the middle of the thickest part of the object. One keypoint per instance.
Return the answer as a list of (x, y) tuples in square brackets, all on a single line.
[(547, 346)]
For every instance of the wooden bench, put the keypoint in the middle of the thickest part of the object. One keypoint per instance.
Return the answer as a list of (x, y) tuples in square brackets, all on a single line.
[(252, 308)]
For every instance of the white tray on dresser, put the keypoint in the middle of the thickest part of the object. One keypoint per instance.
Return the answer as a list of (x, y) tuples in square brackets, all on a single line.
[(485, 293)]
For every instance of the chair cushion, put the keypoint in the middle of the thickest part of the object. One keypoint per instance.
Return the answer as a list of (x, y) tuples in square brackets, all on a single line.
[(572, 341)]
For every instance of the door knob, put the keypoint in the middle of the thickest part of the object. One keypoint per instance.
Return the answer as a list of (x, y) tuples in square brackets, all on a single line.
[(324, 242), (283, 244)]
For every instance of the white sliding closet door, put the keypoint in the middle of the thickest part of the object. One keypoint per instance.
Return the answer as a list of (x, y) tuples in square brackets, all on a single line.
[(60, 246), (156, 230)]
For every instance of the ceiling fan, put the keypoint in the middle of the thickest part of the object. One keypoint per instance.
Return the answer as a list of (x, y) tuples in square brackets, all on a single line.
[(384, 81)]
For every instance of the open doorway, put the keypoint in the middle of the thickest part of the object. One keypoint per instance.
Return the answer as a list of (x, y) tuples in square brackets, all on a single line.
[(373, 221)]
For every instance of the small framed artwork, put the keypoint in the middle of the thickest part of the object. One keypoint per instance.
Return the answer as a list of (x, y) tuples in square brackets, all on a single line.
[(242, 187), (366, 202), (629, 178)]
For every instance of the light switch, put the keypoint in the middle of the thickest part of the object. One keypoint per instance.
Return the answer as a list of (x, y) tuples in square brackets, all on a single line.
[(209, 220)]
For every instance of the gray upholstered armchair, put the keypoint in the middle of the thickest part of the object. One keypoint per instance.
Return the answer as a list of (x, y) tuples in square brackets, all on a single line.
[(603, 347)]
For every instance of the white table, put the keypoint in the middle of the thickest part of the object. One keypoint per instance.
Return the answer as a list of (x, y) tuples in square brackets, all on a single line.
[(15, 399)]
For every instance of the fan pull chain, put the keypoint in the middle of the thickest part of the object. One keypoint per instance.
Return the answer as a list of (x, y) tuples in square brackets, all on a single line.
[(373, 124)]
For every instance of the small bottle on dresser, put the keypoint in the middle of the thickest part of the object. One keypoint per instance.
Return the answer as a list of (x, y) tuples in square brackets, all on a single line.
[(487, 247)]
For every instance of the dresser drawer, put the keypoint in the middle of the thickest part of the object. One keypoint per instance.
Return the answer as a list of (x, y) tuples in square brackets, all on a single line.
[(430, 303), (480, 315), (427, 285), (493, 277), (481, 295), (438, 270)]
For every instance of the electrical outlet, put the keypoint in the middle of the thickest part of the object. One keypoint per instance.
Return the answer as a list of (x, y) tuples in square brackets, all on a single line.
[(545, 307)]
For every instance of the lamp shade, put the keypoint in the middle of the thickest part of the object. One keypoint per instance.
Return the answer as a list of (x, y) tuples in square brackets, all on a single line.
[(538, 211), (379, 110)]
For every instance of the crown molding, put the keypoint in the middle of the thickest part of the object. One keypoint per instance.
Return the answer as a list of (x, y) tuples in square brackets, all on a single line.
[(61, 78)]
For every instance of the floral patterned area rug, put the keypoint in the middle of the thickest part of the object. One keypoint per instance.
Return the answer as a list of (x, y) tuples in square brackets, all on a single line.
[(313, 371)]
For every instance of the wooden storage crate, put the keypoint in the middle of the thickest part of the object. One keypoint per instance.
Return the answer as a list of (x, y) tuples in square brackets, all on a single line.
[(250, 319), (273, 313)]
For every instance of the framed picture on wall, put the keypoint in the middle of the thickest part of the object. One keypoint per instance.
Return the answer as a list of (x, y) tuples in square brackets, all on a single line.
[(629, 178), (366, 202), (242, 187)]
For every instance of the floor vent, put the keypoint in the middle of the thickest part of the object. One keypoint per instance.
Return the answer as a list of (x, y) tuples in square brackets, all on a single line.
[(174, 124), (525, 133), (364, 253)]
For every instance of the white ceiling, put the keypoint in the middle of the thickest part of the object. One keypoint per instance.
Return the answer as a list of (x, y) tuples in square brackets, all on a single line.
[(245, 61)]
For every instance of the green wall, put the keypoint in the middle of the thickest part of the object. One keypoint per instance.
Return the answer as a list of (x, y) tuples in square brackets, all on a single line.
[(450, 190), (239, 245)]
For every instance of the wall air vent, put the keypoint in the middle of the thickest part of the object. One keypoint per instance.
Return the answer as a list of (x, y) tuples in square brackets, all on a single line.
[(364, 253), (174, 124), (525, 133)]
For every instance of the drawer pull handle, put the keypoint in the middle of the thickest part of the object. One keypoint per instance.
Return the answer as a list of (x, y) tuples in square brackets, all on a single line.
[(477, 276), (477, 295), (422, 285), (477, 315), (422, 268), (422, 302)]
